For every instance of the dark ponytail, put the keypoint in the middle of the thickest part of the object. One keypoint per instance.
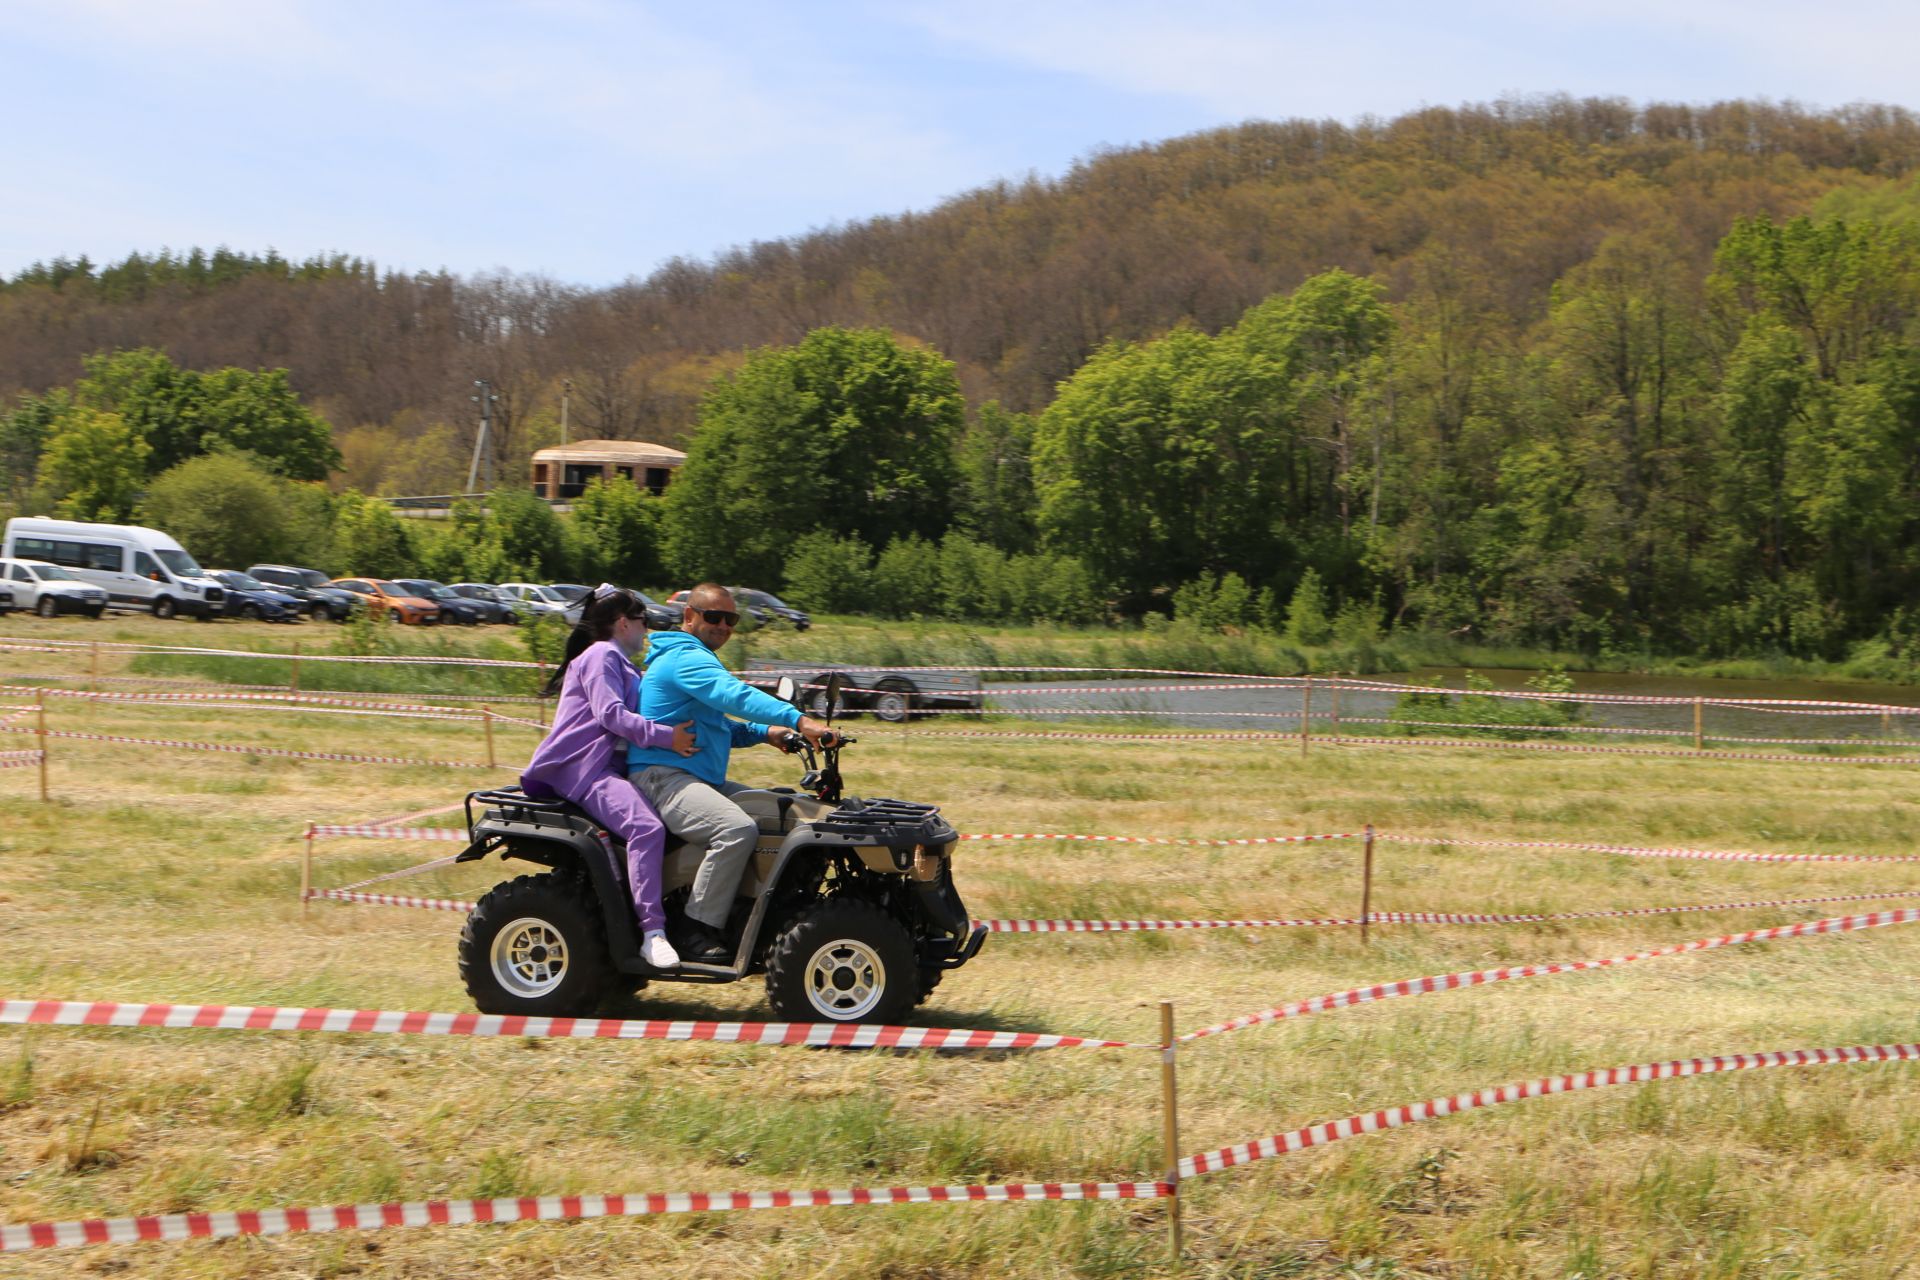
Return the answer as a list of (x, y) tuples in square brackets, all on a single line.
[(606, 606)]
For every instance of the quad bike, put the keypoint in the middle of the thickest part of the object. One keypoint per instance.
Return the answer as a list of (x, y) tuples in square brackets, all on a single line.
[(847, 905)]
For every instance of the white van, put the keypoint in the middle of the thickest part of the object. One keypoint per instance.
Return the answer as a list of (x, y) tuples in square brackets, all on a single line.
[(140, 567)]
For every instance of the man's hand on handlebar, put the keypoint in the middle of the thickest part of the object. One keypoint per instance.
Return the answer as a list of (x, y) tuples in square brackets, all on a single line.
[(819, 732)]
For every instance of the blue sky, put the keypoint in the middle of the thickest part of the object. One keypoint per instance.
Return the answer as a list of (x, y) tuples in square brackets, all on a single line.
[(595, 139)]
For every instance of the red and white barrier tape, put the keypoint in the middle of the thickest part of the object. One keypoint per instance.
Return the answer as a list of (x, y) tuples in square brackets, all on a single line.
[(1683, 753), (381, 831), (18, 759), (211, 696), (1216, 679), (106, 1013), (1178, 840), (421, 1213), (1475, 978), (416, 815), (1319, 1135), (1632, 851), (218, 687), (282, 752), (347, 894), (1152, 926), (392, 900), (386, 831), (436, 865)]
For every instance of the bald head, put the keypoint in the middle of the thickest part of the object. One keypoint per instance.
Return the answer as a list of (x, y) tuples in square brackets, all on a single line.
[(706, 601)]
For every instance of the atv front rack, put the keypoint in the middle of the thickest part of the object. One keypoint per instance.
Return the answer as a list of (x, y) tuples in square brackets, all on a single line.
[(889, 822)]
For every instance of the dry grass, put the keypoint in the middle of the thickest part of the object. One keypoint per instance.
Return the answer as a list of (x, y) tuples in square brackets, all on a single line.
[(173, 876)]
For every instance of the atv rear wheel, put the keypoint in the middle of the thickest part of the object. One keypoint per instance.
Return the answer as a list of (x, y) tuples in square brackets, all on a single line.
[(844, 961), (536, 946)]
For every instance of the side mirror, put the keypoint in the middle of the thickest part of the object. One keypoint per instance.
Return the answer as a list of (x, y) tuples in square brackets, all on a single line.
[(835, 683), (785, 689)]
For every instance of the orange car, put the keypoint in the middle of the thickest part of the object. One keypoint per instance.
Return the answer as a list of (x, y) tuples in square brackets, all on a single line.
[(390, 598)]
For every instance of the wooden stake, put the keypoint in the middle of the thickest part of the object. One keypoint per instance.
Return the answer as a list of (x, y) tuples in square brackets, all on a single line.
[(1336, 704), (293, 676), (1366, 886), (306, 874), (1306, 716), (1170, 1128), (541, 715), (40, 704), (93, 664), (486, 718), (1699, 712), (1886, 724)]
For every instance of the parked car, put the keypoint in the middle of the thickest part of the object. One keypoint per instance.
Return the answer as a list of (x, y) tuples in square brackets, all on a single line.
[(133, 565), (385, 597), (454, 607), (571, 592), (541, 599), (501, 607), (660, 617), (48, 589), (248, 597), (6, 599), (773, 605), (309, 586)]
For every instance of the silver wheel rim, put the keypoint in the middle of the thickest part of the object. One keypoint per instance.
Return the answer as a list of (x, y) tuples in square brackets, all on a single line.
[(891, 705), (529, 957), (845, 980)]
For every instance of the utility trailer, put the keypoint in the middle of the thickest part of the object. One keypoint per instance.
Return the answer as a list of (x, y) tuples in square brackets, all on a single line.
[(894, 695)]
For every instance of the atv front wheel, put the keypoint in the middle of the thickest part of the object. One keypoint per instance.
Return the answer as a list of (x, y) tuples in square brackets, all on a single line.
[(536, 946), (843, 961)]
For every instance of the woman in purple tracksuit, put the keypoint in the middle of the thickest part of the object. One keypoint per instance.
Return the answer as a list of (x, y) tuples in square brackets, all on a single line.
[(583, 756)]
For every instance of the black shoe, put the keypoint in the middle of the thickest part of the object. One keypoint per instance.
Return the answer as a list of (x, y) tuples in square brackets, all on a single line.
[(697, 944)]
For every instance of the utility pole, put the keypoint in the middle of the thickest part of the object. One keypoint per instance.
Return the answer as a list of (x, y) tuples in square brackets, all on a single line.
[(566, 394), (484, 397)]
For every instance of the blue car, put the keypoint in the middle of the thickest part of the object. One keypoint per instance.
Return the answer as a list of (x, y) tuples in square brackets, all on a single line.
[(248, 597)]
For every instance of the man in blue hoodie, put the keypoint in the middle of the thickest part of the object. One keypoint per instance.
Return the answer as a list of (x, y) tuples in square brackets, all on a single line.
[(685, 681)]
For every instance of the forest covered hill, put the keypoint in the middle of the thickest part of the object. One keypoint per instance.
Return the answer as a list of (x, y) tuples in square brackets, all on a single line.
[(1472, 212)]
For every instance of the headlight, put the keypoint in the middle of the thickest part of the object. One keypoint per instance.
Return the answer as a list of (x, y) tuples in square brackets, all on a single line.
[(190, 589)]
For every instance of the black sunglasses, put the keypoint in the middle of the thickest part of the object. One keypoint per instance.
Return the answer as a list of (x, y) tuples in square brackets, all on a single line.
[(717, 616)]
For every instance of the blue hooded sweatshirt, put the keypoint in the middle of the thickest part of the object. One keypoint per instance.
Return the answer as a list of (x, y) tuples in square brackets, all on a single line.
[(685, 681)]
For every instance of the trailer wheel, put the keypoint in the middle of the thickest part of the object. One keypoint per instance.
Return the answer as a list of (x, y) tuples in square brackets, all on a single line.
[(893, 700)]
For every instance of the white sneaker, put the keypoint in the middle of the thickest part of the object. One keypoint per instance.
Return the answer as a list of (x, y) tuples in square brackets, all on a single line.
[(658, 952)]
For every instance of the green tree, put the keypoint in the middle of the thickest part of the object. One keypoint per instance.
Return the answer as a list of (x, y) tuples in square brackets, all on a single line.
[(1159, 462), (995, 459), (226, 510), (906, 578), (529, 533), (368, 540), (619, 531), (1307, 622), (829, 574), (181, 413), (24, 433), (850, 432), (96, 463)]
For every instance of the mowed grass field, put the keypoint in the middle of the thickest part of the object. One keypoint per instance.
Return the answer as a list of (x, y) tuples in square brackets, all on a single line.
[(164, 875)]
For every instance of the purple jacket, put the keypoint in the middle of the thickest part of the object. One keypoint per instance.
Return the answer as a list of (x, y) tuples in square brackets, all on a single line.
[(594, 715)]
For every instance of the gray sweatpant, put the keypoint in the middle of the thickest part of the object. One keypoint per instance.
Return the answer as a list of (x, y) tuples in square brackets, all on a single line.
[(700, 813)]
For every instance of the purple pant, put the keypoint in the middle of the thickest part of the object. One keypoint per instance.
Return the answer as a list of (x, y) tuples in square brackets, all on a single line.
[(612, 801)]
